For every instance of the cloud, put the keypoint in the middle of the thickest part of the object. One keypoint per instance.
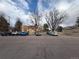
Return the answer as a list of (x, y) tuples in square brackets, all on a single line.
[(72, 12), (69, 7), (13, 11)]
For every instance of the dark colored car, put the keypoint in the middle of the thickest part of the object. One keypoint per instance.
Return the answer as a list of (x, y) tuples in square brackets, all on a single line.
[(2, 33), (5, 33), (8, 33)]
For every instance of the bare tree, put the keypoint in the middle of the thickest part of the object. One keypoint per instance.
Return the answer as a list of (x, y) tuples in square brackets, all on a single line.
[(4, 25), (77, 22), (36, 22), (54, 18), (18, 25)]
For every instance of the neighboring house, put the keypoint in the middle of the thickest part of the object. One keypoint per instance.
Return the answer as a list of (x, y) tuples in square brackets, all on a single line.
[(30, 29)]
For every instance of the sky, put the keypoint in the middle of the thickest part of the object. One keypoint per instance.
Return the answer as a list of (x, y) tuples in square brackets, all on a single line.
[(23, 10)]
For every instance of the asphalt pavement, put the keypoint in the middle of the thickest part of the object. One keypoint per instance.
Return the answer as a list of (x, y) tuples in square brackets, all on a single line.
[(39, 47)]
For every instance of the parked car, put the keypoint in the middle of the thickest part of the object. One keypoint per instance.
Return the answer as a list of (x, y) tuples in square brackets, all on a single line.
[(52, 33), (20, 33), (23, 33), (8, 34), (1, 33), (5, 33), (38, 34), (14, 33)]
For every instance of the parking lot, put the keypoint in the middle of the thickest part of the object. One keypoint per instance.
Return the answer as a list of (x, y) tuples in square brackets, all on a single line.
[(39, 47)]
